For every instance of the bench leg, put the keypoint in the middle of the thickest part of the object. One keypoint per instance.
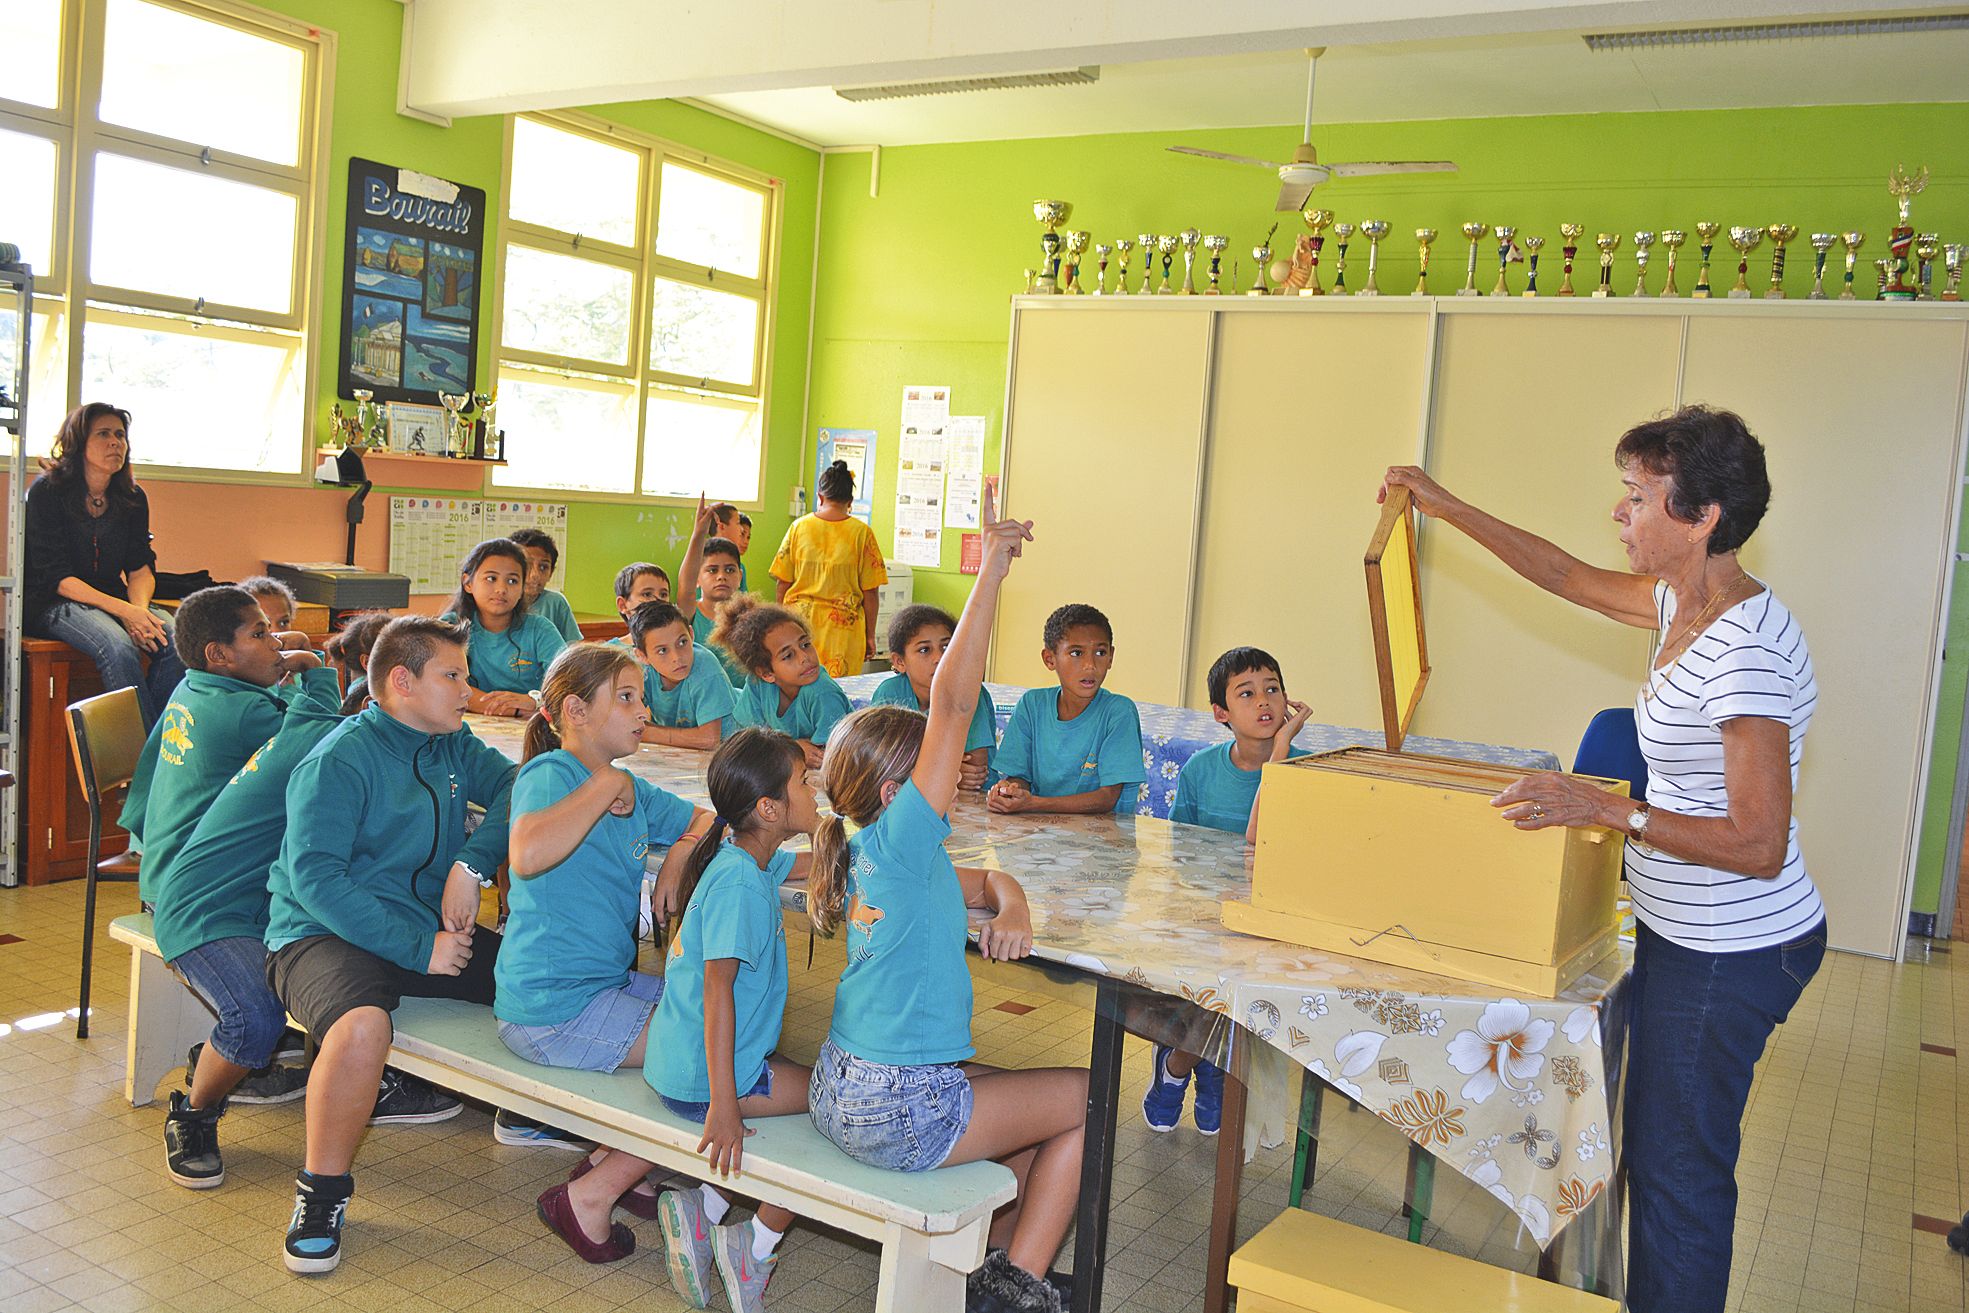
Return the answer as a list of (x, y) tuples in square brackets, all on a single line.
[(925, 1274), (165, 1020)]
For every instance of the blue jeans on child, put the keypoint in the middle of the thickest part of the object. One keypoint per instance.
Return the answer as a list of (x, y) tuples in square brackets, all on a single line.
[(1698, 1025), (598, 1037), (230, 977), (905, 1119), (697, 1112), (109, 645)]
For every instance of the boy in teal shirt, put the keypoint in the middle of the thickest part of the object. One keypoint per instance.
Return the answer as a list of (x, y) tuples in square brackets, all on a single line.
[(1075, 749), (685, 691), (543, 557), (717, 584), (376, 893), (918, 638)]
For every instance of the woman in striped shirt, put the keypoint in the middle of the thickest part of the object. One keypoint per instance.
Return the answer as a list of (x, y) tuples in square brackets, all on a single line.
[(1730, 926)]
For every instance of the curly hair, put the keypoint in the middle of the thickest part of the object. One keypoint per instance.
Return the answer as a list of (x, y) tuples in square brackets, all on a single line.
[(1710, 459), (1075, 615), (743, 624)]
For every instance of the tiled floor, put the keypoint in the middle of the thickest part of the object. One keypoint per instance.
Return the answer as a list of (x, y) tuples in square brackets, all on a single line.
[(1856, 1131)]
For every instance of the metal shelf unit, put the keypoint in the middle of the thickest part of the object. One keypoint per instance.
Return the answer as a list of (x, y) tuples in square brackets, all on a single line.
[(17, 282)]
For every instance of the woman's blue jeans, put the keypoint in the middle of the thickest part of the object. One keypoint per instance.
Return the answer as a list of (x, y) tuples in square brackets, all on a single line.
[(99, 634)]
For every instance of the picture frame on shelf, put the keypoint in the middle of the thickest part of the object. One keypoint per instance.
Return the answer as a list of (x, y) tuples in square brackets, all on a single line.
[(415, 429)]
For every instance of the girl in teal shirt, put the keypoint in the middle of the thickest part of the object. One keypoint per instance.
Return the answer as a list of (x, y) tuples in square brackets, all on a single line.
[(568, 994), (788, 690), (892, 1086), (509, 647)]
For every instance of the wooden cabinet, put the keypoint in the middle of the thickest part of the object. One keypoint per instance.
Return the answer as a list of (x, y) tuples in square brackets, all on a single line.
[(54, 838)]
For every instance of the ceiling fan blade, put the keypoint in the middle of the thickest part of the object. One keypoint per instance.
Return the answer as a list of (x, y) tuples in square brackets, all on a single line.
[(1220, 155), (1293, 195), (1384, 166)]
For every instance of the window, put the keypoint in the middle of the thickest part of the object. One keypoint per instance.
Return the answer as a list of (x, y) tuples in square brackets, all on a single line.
[(158, 161), (633, 319)]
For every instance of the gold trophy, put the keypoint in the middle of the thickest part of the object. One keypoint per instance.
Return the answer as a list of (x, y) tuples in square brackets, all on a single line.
[(1926, 247), (1476, 232), (1822, 244), (1374, 230), (1642, 241), (1534, 245), (1261, 255), (1952, 266), (1122, 246), (1507, 238), (1341, 231), (1572, 233), (1904, 187), (1743, 240), (1884, 267), (1852, 243), (1672, 238), (1779, 233), (1190, 238), (1706, 236), (1076, 247), (1423, 236), (1319, 221), (1101, 251), (1215, 244), (1147, 243), (1051, 214), (1608, 244), (1165, 246)]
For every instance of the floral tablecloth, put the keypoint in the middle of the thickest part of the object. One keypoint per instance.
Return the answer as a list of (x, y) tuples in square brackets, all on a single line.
[(1172, 735)]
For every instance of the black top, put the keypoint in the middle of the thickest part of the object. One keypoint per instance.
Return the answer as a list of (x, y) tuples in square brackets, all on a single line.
[(64, 540)]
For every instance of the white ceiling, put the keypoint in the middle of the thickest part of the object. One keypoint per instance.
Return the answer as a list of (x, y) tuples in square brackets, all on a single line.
[(1539, 73)]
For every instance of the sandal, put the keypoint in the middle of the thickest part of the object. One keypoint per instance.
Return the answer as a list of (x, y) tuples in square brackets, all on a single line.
[(632, 1200), (555, 1210)]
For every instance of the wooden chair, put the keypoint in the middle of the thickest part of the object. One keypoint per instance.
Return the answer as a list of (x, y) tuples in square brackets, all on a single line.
[(106, 736)]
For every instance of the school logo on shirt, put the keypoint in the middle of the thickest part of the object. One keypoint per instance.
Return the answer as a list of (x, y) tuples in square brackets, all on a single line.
[(520, 662), (1092, 763), (252, 762), (863, 917), (640, 850), (175, 738)]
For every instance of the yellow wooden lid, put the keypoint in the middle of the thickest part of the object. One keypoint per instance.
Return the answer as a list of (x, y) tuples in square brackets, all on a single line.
[(1394, 606)]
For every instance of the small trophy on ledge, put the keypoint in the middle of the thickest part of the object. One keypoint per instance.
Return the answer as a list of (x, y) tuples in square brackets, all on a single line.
[(1852, 242), (1779, 233), (1534, 245), (1215, 244), (1507, 249), (1642, 242), (1423, 236), (1926, 247), (1706, 235), (1672, 239), (1102, 250), (1051, 214), (1571, 232), (1743, 240), (1122, 246), (1608, 244), (1952, 266), (1822, 244), (1374, 230), (1904, 187), (1476, 232), (1261, 255), (1076, 247), (1341, 231)]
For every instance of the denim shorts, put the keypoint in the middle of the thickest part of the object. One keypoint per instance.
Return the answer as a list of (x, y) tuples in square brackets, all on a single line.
[(598, 1037), (905, 1119), (697, 1112), (230, 977)]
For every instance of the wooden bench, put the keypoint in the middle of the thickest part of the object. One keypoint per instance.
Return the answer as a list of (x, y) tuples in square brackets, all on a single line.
[(931, 1225)]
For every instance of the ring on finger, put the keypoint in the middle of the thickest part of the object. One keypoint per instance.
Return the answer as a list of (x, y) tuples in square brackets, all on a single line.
[(1537, 811)]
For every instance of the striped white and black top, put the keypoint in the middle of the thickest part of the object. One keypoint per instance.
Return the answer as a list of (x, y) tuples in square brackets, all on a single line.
[(1751, 661)]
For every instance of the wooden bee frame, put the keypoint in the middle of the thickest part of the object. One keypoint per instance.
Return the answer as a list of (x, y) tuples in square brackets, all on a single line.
[(1394, 606)]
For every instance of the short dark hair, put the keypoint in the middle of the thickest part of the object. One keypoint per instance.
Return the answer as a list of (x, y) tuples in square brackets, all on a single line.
[(210, 615), (625, 578), (543, 540), (745, 519), (650, 617), (721, 547), (260, 585), (409, 641), (1072, 616), (837, 482), (1238, 661), (724, 512), (1709, 458), (913, 619)]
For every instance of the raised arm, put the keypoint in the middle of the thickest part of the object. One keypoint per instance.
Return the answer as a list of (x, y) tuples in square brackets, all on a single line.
[(693, 562)]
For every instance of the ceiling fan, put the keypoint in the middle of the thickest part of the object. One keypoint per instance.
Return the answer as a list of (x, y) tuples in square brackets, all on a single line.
[(1305, 172)]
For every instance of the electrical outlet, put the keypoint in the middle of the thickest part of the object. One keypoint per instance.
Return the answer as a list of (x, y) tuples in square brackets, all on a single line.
[(796, 505)]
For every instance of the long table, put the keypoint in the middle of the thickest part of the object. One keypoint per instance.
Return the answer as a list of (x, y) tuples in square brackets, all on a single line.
[(1517, 1095)]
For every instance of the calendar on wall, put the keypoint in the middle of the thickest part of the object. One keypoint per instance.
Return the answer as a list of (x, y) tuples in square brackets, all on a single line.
[(431, 536)]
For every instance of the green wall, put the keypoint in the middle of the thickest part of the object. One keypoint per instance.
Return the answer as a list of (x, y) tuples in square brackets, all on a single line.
[(913, 282)]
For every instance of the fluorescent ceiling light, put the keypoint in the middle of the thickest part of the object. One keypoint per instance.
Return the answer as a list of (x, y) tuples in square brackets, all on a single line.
[(1700, 36), (898, 90)]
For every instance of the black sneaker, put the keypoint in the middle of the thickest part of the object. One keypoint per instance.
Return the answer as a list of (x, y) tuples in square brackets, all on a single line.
[(293, 1046), (273, 1083), (511, 1128), (191, 1144), (999, 1287), (314, 1233), (404, 1101)]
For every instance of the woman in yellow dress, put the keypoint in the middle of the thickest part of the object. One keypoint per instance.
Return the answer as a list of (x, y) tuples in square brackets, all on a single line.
[(829, 570)]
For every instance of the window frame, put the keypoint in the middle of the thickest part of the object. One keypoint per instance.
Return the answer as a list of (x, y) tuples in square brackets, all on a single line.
[(647, 267), (80, 136)]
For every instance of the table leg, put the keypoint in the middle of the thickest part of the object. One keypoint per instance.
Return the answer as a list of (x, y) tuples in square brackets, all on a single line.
[(1306, 1149), (1421, 1191), (1090, 1246), (1223, 1205)]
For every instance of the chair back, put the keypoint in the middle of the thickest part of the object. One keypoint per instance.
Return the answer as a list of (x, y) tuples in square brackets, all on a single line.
[(1611, 748), (106, 737)]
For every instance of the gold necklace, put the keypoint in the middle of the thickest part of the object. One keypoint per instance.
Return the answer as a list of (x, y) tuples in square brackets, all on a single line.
[(1688, 635)]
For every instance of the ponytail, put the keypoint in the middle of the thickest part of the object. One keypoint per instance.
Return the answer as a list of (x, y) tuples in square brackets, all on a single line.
[(752, 764), (827, 882), (582, 670), (694, 867), (540, 736)]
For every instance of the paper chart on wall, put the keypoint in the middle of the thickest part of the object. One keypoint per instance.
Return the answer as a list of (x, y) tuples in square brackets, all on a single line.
[(965, 470), (920, 460), (429, 537), (502, 517)]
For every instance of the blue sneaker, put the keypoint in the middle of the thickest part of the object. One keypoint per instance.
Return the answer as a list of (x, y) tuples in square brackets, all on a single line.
[(314, 1234), (1162, 1106), (1209, 1106)]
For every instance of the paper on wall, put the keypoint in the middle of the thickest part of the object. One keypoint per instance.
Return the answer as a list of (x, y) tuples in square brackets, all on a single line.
[(921, 457), (965, 465)]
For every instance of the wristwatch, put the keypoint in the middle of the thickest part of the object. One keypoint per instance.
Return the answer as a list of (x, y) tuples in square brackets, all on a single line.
[(467, 868), (1637, 823)]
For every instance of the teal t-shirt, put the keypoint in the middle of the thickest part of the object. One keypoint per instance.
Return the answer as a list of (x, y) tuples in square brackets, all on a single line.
[(735, 674), (905, 994), (733, 913), (700, 697), (513, 660), (571, 929), (812, 715), (1215, 791), (553, 608), (896, 690), (1058, 758)]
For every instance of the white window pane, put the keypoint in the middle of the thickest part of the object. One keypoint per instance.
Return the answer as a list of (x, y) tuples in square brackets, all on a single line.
[(709, 221), (212, 397), (696, 444), (27, 197), (47, 371), (31, 70), (697, 332), (573, 433), (565, 306), (178, 233), (177, 75), (574, 183)]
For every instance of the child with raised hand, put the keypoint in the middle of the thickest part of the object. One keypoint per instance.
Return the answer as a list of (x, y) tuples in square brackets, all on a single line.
[(689, 699), (918, 638), (717, 586), (509, 646), (788, 690), (1075, 749), (567, 991), (543, 557), (892, 1085)]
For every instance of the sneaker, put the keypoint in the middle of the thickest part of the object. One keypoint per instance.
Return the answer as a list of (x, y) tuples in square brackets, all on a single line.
[(314, 1234), (1209, 1106), (1162, 1106), (403, 1100), (273, 1083), (511, 1128), (1958, 1236), (744, 1276), (687, 1245), (1062, 1282), (292, 1046), (191, 1144), (999, 1287)]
